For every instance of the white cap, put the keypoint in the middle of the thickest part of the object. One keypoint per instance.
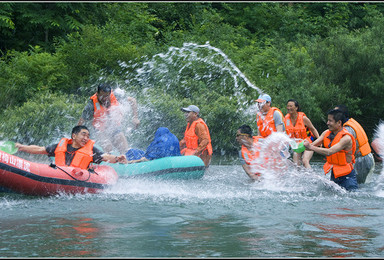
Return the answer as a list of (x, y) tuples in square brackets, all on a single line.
[(191, 108)]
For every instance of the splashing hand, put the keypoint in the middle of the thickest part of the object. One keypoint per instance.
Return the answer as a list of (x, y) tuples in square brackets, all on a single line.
[(122, 159)]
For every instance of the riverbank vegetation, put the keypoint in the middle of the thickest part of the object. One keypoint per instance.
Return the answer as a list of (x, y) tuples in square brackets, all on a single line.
[(321, 54)]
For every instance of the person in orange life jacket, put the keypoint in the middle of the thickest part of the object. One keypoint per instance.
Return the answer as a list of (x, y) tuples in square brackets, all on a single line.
[(249, 152), (269, 119), (296, 123), (103, 109), (365, 161), (339, 148), (77, 151), (197, 140)]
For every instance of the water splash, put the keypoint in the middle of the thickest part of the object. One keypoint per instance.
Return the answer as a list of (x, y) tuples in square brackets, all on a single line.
[(379, 143), (379, 138), (199, 63)]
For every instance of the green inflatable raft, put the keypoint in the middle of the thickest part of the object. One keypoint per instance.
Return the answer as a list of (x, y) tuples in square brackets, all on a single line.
[(173, 167)]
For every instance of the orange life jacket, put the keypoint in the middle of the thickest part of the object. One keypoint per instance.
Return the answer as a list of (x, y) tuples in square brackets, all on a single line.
[(361, 136), (251, 156), (297, 131), (82, 158), (267, 126), (100, 112), (338, 161), (191, 139)]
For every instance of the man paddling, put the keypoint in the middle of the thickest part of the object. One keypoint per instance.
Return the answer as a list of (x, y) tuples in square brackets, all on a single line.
[(339, 148), (79, 151)]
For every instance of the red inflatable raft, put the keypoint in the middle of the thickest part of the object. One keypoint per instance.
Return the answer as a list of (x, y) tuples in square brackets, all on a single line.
[(30, 178)]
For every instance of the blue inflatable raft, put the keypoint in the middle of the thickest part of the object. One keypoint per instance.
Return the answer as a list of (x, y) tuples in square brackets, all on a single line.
[(173, 167)]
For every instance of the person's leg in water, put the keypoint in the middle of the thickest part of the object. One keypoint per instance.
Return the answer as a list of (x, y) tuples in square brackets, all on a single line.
[(296, 158), (307, 155), (120, 142)]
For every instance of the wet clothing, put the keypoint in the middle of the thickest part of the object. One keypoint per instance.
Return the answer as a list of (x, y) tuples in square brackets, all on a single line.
[(70, 153), (165, 144), (250, 157), (349, 181), (361, 137), (134, 154), (103, 116), (341, 163), (364, 165), (82, 157), (267, 123), (111, 124), (299, 130)]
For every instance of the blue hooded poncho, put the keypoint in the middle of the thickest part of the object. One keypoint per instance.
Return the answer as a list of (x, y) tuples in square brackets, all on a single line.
[(164, 144)]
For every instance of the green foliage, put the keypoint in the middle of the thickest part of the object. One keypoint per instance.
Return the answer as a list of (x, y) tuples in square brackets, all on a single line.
[(24, 24), (44, 119), (321, 54), (352, 63), (96, 49), (24, 74)]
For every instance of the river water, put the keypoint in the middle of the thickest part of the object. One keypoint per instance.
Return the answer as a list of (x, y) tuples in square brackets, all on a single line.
[(223, 215)]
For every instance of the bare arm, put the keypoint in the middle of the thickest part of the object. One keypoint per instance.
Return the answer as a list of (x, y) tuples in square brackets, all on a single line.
[(182, 144), (318, 141), (142, 159), (81, 121), (33, 149), (344, 144), (308, 123), (248, 171), (113, 158)]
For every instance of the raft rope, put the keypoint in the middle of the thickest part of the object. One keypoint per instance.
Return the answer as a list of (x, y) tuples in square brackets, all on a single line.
[(55, 166)]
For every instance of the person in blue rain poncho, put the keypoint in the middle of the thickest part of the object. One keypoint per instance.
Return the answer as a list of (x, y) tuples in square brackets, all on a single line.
[(164, 144)]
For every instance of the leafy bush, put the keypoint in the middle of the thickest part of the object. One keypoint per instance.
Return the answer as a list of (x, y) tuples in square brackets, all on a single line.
[(22, 74), (44, 119)]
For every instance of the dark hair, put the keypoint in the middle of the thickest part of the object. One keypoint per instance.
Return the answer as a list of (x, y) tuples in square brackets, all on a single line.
[(104, 87), (338, 115), (296, 104), (78, 128), (246, 129), (343, 109)]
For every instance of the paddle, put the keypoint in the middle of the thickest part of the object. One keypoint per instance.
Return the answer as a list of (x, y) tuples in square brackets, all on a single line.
[(8, 147)]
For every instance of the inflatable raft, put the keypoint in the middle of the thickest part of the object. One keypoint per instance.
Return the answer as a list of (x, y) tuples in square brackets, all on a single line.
[(173, 167), (30, 178)]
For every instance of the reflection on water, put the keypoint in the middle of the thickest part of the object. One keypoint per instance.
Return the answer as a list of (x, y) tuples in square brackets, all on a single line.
[(224, 214), (61, 237), (342, 240), (77, 236)]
